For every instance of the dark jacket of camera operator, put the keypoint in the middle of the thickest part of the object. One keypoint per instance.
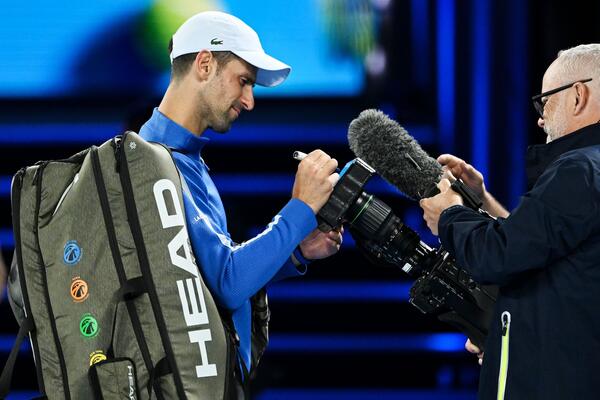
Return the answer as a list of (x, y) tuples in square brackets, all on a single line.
[(544, 340)]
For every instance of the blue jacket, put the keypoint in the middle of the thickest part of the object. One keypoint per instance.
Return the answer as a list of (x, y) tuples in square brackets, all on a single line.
[(232, 272), (544, 342)]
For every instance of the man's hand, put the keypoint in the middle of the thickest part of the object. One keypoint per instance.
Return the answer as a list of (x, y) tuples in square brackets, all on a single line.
[(466, 172), (315, 179), (459, 169), (433, 206), (471, 348), (318, 245)]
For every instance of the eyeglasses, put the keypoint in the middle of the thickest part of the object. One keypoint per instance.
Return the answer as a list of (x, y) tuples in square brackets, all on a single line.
[(539, 100)]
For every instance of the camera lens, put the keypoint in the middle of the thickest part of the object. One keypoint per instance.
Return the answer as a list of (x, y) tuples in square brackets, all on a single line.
[(368, 215)]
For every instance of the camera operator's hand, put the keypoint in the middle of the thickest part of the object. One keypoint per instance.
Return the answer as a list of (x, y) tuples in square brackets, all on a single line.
[(433, 206), (460, 169), (315, 179), (318, 244), (471, 348)]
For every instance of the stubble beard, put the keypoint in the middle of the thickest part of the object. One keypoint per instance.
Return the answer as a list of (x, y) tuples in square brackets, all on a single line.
[(555, 128), (218, 121), (221, 123)]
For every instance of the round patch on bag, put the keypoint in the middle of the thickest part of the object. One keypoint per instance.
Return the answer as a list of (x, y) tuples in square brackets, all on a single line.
[(72, 253), (96, 357), (88, 326), (79, 290)]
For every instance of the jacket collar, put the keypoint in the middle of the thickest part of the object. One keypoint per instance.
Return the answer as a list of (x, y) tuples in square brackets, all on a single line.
[(540, 156), (162, 129)]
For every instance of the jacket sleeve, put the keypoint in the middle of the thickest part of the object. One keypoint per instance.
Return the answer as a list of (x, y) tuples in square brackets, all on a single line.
[(551, 220), (235, 272), (289, 270)]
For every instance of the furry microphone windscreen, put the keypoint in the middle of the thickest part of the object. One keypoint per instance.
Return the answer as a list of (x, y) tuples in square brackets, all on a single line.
[(395, 155)]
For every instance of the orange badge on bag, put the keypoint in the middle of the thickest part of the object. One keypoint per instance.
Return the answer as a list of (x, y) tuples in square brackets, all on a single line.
[(79, 290)]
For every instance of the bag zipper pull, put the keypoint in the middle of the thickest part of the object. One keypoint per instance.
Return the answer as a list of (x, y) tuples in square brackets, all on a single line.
[(116, 144)]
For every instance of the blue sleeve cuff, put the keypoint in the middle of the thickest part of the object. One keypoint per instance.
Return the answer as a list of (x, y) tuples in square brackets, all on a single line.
[(289, 270), (300, 257)]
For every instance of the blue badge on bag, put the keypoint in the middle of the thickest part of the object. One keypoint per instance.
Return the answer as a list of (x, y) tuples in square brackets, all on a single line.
[(72, 253)]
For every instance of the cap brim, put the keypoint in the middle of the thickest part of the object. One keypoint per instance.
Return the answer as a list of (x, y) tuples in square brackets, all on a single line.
[(271, 72)]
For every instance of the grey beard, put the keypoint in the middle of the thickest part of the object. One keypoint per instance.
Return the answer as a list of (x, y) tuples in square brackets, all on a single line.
[(554, 130)]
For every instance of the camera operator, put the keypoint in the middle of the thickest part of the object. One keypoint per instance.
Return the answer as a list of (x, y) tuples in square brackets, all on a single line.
[(544, 340)]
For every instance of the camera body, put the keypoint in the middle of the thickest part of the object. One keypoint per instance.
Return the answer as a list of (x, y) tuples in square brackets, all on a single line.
[(441, 287)]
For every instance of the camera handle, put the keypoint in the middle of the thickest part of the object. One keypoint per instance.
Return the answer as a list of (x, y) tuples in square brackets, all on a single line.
[(470, 199)]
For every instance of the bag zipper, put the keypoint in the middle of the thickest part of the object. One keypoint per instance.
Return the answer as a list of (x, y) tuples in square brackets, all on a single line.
[(37, 175), (116, 145), (119, 268), (505, 320)]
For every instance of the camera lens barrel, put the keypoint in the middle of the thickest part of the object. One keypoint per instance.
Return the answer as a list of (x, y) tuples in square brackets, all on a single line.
[(368, 215), (388, 238)]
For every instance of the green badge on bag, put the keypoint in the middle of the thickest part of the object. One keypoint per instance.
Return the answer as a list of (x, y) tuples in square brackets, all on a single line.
[(88, 326)]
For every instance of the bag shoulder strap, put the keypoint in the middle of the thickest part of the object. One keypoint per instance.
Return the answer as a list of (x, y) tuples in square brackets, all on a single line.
[(7, 372)]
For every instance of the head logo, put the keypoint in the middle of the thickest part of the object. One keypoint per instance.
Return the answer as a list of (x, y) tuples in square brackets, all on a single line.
[(88, 326), (96, 357), (72, 253), (216, 41), (79, 290), (192, 300), (131, 382)]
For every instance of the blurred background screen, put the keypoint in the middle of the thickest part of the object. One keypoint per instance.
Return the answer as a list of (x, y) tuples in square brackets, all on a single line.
[(116, 47)]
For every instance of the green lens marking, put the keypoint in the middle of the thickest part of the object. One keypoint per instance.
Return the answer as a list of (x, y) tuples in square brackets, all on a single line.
[(364, 207)]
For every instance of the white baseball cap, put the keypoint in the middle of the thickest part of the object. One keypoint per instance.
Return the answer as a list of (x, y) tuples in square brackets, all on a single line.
[(218, 31)]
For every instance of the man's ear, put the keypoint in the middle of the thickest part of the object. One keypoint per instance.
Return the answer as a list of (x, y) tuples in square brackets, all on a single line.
[(203, 65), (582, 94)]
